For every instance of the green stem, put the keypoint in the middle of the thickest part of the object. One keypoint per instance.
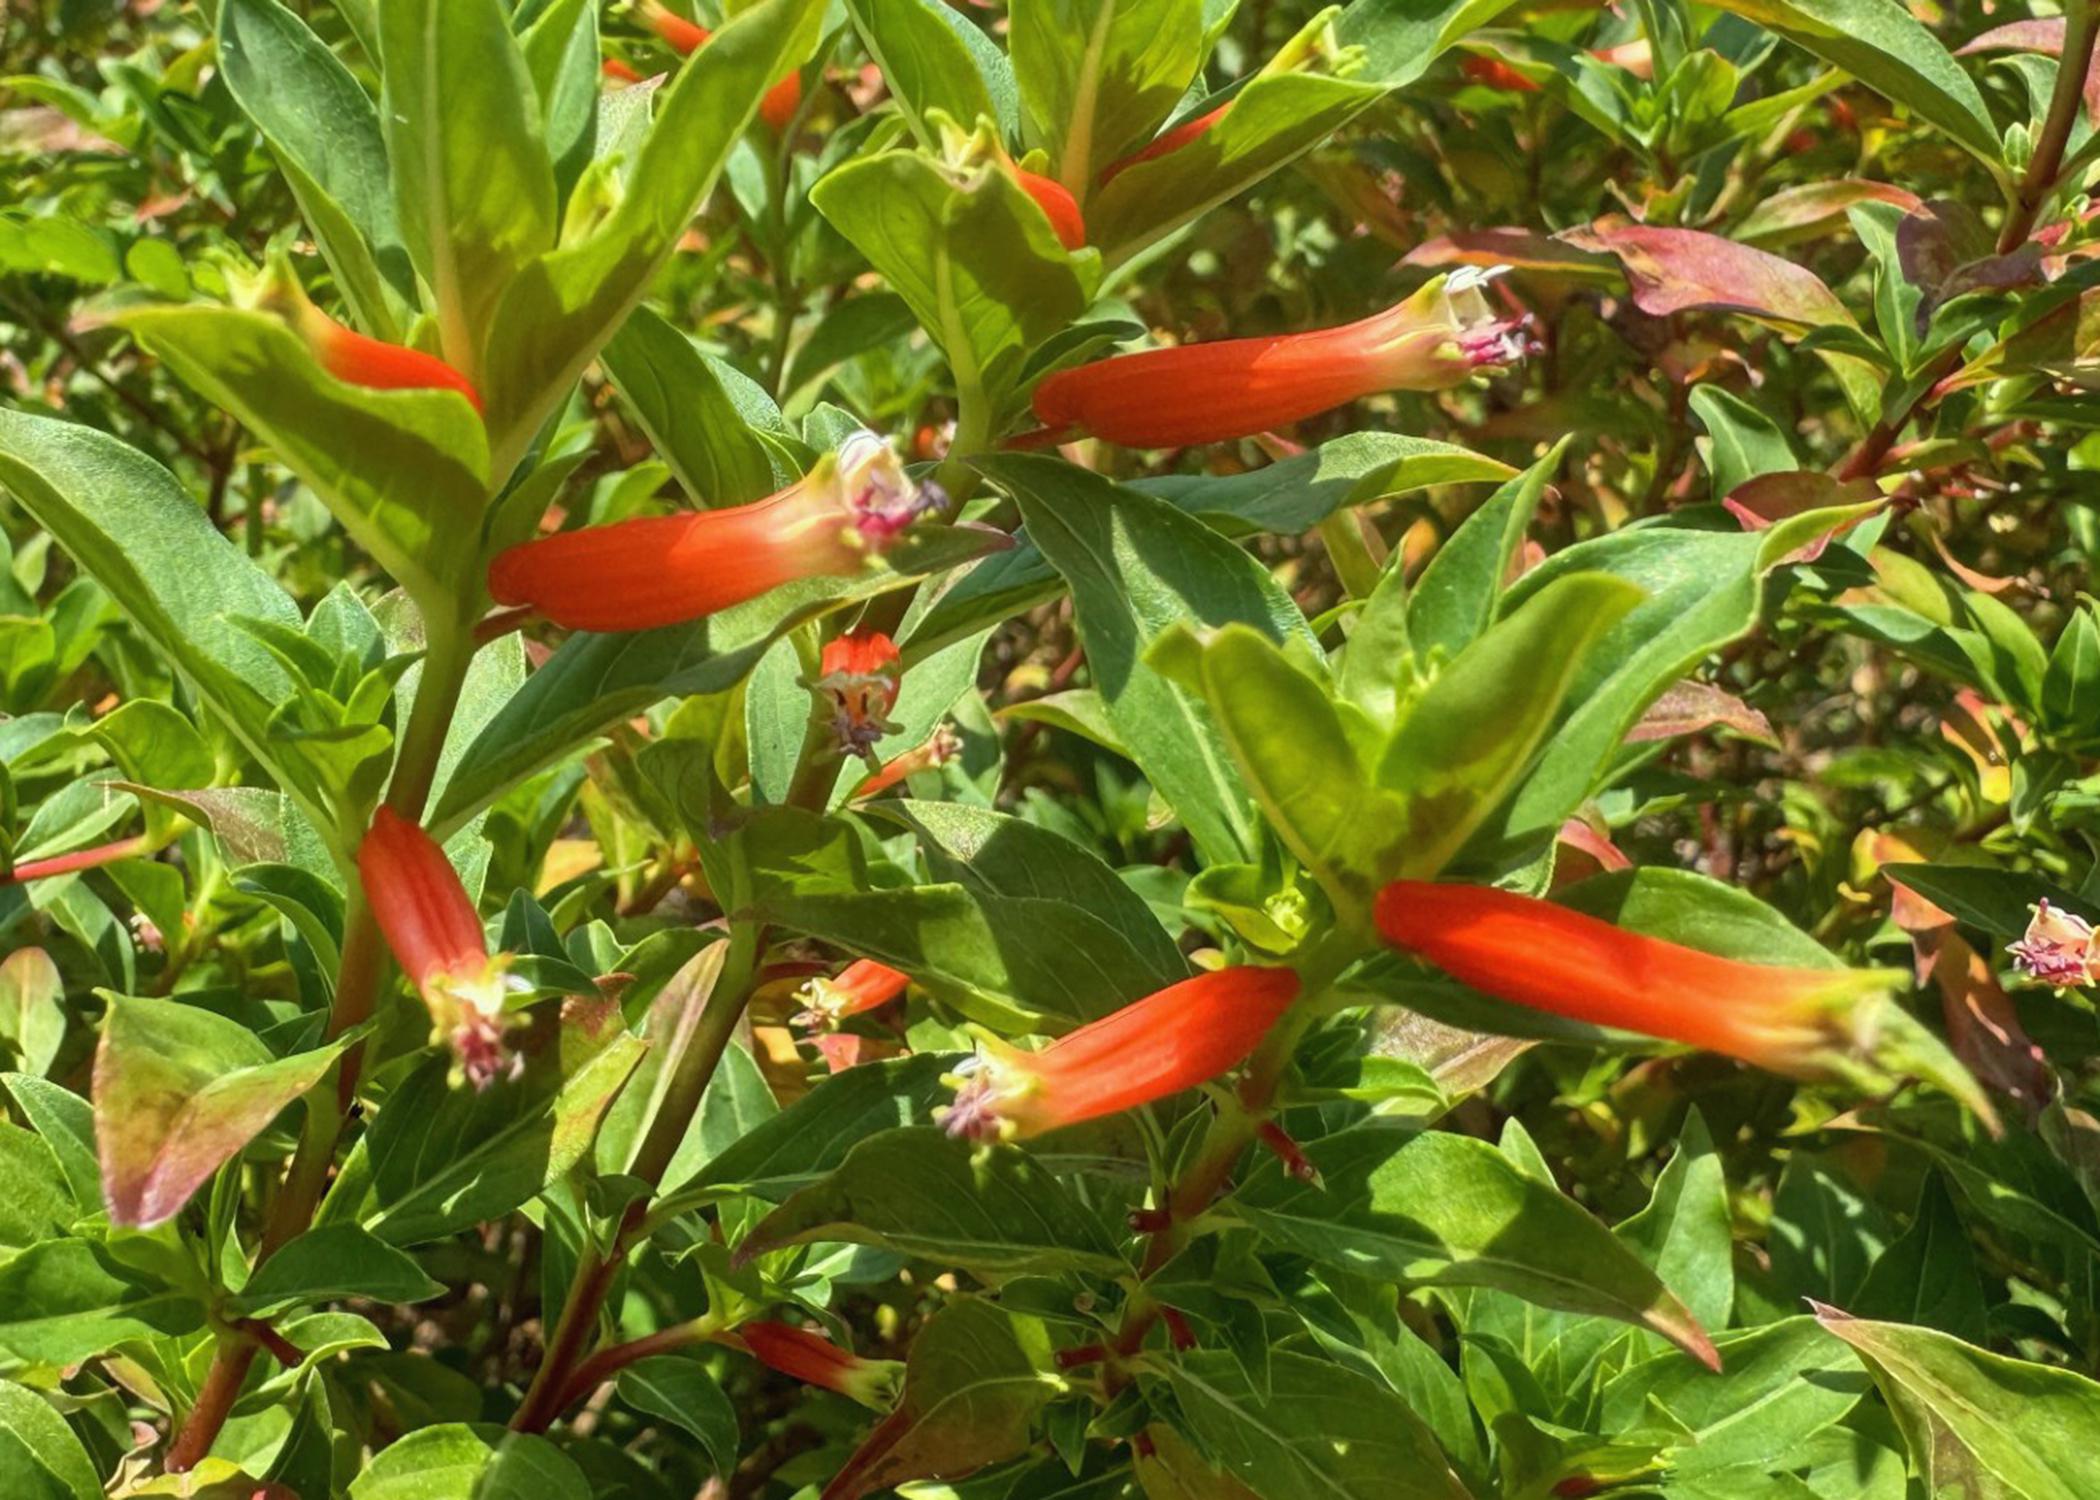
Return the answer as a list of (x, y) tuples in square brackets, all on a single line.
[(450, 651), (1347, 549)]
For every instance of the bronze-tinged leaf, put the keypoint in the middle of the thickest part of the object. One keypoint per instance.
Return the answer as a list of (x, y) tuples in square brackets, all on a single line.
[(1686, 270)]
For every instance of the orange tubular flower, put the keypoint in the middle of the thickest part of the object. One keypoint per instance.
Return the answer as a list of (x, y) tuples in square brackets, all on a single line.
[(431, 925), (1059, 206), (1174, 1039), (862, 986), (1494, 73), (816, 1360), (661, 570), (1537, 954), (860, 675), (619, 72), (685, 37), (1210, 393)]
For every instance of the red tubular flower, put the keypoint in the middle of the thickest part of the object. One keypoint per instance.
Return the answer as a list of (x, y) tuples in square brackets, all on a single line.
[(942, 746), (431, 925), (619, 72), (661, 570), (1173, 140), (816, 1360), (348, 355), (1210, 393), (1546, 957), (862, 986), (1494, 73), (1174, 1039), (860, 674), (1060, 206), (684, 37)]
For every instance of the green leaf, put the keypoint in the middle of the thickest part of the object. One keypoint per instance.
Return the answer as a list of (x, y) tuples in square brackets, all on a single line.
[(1742, 442), (998, 856), (66, 1124), (1704, 589), (917, 1191), (561, 54), (932, 58), (1686, 1231), (1403, 37), (471, 176), (32, 1009), (1454, 600), (1980, 1424), (126, 521), (974, 1381), (1929, 1274), (40, 1458), (812, 1136), (678, 1390), (1137, 568), (1779, 1386), (971, 253), (1467, 740), (458, 1461), (596, 680), (1881, 44), (1319, 1432), (1097, 79), (405, 471), (330, 1264), (324, 132), (178, 1091), (563, 307), (681, 399), (1301, 763), (1267, 125), (65, 1301), (442, 1158), (34, 1202), (1446, 1210)]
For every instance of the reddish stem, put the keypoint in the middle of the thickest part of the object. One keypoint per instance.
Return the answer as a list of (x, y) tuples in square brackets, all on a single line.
[(79, 859), (222, 1387)]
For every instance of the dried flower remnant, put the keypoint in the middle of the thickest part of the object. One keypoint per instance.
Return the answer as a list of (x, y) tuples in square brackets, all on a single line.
[(862, 986), (859, 675), (2057, 947)]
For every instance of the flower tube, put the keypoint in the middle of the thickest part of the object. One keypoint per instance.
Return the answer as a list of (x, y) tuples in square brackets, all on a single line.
[(862, 986), (661, 570), (815, 1360), (1174, 1039), (1058, 205), (685, 37), (1543, 956), (1210, 393), (350, 356), (431, 925), (1172, 140), (860, 674)]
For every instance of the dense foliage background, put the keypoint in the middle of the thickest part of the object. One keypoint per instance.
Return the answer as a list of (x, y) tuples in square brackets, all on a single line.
[(1715, 567)]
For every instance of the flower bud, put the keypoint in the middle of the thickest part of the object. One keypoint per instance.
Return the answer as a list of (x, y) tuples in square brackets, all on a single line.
[(969, 154), (859, 675), (1209, 393), (862, 986), (350, 356), (1173, 1039), (662, 570), (942, 746), (685, 38), (815, 1360), (435, 934)]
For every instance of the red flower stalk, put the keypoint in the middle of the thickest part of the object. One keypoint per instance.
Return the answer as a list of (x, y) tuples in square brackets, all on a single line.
[(661, 570), (1173, 140), (685, 37), (1058, 205), (79, 859), (1537, 954), (860, 674), (431, 925), (1173, 1039), (816, 1360), (863, 985), (350, 356), (1210, 393)]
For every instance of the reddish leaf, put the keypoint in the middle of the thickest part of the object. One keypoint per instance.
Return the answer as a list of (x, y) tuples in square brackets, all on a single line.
[(1688, 707), (178, 1091), (2038, 36), (1814, 208), (1685, 270)]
